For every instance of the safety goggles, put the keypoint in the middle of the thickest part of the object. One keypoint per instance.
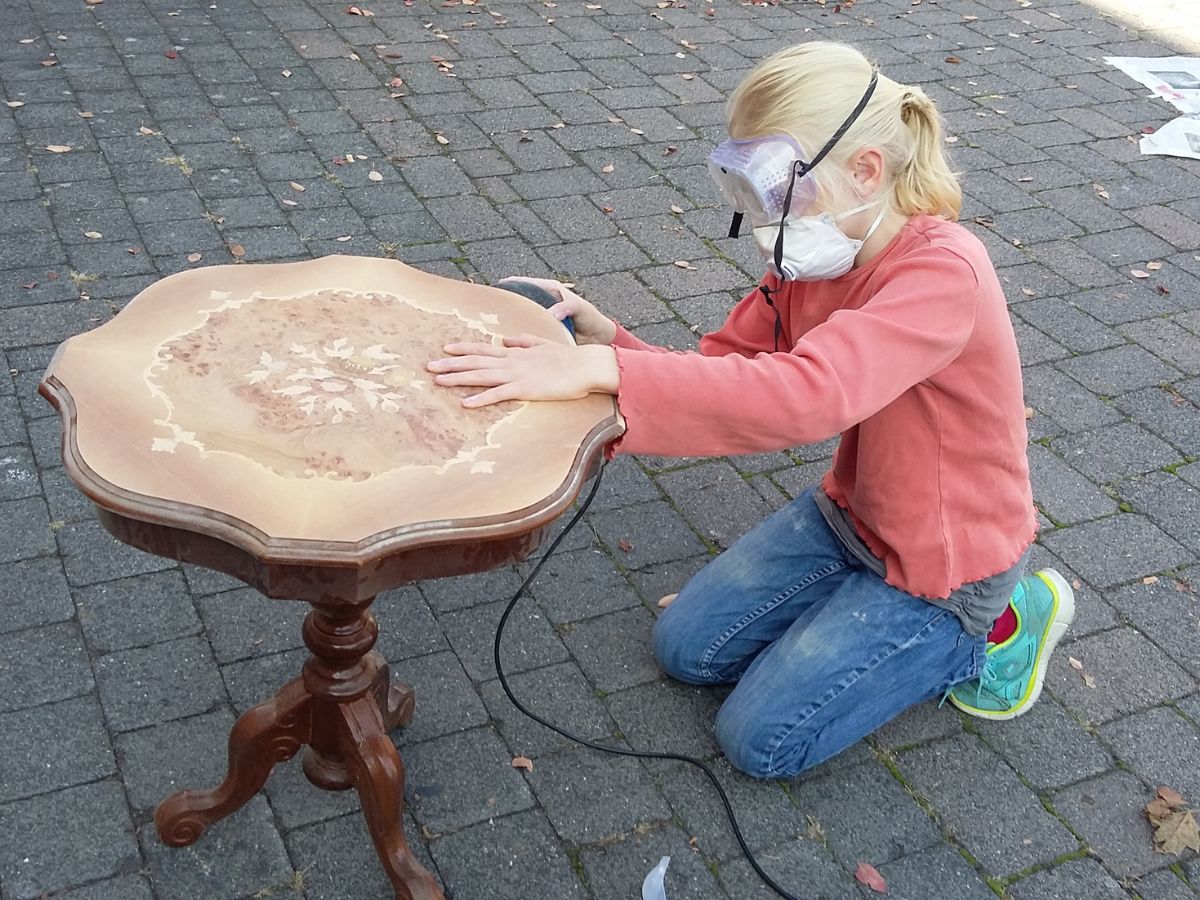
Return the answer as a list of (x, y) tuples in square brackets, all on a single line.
[(766, 179), (753, 177)]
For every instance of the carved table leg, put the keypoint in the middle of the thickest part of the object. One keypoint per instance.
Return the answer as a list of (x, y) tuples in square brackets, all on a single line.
[(377, 772), (263, 736), (354, 706), (396, 701)]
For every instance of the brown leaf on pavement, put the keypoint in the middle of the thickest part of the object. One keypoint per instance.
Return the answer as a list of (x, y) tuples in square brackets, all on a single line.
[(194, 257), (237, 250), (171, 54), (59, 148), (867, 874), (375, 176), (624, 545), (608, 169), (522, 762), (1177, 832), (14, 104), (1171, 797)]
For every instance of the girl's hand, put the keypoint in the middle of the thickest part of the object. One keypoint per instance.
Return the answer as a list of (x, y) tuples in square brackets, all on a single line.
[(591, 325), (527, 368)]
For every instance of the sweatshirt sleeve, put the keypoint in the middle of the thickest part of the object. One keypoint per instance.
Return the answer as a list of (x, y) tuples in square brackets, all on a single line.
[(841, 372)]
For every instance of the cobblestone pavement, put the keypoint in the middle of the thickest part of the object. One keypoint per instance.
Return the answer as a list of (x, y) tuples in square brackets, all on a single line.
[(568, 139)]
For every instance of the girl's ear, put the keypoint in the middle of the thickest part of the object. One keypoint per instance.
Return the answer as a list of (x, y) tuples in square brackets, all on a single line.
[(867, 169)]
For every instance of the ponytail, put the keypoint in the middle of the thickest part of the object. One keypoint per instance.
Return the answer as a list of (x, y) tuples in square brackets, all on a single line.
[(924, 183), (807, 90)]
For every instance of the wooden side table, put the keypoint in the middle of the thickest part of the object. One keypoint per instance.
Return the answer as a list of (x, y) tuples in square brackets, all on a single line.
[(276, 423)]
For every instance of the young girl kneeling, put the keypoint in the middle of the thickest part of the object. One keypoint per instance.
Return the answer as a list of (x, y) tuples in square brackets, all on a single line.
[(898, 578)]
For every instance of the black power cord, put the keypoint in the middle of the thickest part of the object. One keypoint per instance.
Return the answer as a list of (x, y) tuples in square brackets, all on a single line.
[(643, 754)]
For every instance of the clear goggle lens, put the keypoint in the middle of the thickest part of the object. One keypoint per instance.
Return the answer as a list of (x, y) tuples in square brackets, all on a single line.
[(753, 177)]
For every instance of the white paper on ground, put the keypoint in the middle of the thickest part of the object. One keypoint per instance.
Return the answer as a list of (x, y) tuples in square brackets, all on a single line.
[(654, 886), (1175, 79)]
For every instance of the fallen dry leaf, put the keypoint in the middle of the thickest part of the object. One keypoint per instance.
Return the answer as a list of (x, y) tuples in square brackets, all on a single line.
[(522, 762), (94, 235), (396, 82), (49, 62), (84, 114), (1170, 796), (144, 130), (678, 210), (1154, 266), (286, 202), (667, 600), (286, 73), (296, 186), (344, 238), (684, 264), (1176, 833), (1030, 412), (30, 286), (358, 11), (171, 54), (237, 251), (441, 138), (93, 2), (1138, 273), (1089, 681), (14, 104), (59, 148), (624, 545), (194, 257), (1075, 664), (1028, 292), (1150, 579), (867, 874), (669, 149), (375, 176), (608, 169), (953, 60), (687, 77)]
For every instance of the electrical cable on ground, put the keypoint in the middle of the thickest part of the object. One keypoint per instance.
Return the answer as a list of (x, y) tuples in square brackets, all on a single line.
[(643, 754)]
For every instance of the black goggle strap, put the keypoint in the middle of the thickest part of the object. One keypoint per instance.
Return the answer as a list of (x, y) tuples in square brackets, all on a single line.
[(766, 292), (735, 226)]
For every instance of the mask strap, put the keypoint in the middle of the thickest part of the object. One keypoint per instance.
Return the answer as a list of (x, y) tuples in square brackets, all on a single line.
[(875, 224)]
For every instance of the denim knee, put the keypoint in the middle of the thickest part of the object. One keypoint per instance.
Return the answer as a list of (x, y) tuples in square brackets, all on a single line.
[(676, 654), (763, 752)]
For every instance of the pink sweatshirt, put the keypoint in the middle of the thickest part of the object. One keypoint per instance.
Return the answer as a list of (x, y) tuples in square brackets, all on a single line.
[(911, 358)]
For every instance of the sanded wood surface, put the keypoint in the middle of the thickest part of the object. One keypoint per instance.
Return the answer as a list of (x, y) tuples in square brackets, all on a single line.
[(275, 406)]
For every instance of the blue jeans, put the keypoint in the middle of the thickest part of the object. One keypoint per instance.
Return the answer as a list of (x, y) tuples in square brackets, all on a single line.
[(823, 651)]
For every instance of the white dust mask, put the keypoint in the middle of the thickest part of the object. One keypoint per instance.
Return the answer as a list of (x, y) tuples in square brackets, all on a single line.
[(813, 247)]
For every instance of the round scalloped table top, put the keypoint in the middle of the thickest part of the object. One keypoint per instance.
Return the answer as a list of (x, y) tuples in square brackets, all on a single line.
[(290, 402)]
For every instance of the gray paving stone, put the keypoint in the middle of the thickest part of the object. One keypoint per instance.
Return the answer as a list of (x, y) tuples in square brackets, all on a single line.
[(617, 869), (446, 700), (793, 864), (33, 592), (501, 858), (245, 848), (54, 746), (1170, 502), (668, 717), (560, 695), (27, 531), (1168, 341), (41, 665), (1067, 325), (1164, 611), (90, 555), (463, 779), (581, 584), (1130, 674), (1167, 413), (1046, 746), (571, 261), (654, 532), (1077, 878), (1065, 400), (614, 650), (1118, 304), (1110, 453), (133, 612), (948, 774), (166, 681), (1062, 492), (244, 623), (185, 754), (917, 724), (938, 872), (407, 627), (589, 796), (338, 858), (715, 500), (1116, 549), (67, 503), (1164, 885), (1108, 812), (1159, 745), (127, 887), (529, 641), (63, 839), (1117, 370)]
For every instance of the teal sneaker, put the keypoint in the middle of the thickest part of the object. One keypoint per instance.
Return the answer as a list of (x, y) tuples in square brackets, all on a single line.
[(1012, 677)]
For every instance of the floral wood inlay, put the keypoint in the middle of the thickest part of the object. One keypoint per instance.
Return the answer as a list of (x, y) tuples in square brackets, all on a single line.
[(330, 383)]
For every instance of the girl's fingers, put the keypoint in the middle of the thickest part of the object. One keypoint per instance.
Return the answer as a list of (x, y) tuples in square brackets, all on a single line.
[(494, 395), (524, 340), (474, 378), (462, 363), (478, 349)]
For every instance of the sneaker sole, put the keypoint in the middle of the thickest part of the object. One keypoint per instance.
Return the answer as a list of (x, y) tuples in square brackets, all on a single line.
[(1061, 619)]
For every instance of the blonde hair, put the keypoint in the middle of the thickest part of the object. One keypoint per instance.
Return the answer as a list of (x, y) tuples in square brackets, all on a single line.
[(809, 90)]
